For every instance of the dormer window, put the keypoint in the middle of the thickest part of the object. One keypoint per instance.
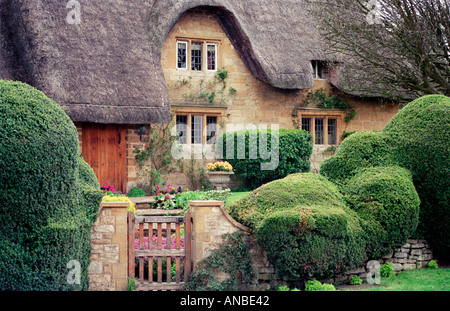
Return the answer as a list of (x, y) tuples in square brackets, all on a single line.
[(320, 70), (197, 54)]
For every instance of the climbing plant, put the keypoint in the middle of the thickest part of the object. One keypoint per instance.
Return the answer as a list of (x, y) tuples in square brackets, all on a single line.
[(214, 91), (324, 100)]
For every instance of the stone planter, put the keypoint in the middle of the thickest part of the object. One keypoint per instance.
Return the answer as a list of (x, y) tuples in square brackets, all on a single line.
[(220, 179)]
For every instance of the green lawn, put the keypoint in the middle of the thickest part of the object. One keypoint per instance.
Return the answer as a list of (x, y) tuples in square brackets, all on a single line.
[(236, 196), (413, 280)]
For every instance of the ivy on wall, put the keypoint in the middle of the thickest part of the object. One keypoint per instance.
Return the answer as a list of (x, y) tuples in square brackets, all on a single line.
[(324, 100), (213, 91), (231, 258)]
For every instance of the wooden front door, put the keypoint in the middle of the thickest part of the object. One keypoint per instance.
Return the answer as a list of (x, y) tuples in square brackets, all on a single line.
[(104, 149)]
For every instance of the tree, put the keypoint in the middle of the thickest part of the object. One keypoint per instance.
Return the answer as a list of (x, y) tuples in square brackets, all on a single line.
[(397, 49)]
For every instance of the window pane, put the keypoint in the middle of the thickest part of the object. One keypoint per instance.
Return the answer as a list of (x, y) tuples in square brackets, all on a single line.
[(196, 132), (196, 56), (319, 135), (323, 70), (306, 124), (181, 55), (211, 130), (182, 129), (332, 131), (211, 56)]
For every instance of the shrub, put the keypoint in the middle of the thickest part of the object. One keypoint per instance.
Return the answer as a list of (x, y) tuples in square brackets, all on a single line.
[(355, 280), (304, 226), (136, 192), (49, 194), (432, 264), (290, 155), (231, 258), (387, 270), (360, 150), (314, 285), (421, 131), (388, 205)]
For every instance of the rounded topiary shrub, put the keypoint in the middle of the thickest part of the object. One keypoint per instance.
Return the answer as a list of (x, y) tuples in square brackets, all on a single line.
[(387, 203), (256, 161), (304, 226), (49, 200), (359, 150), (421, 131)]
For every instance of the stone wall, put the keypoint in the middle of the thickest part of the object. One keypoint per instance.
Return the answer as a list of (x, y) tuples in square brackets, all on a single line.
[(211, 221), (109, 255), (109, 258), (415, 254)]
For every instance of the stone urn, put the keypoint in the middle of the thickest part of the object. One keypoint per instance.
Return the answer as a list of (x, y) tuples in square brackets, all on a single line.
[(220, 179)]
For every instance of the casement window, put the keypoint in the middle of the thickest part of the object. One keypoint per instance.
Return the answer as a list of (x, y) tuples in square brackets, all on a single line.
[(324, 129), (197, 128), (197, 54), (320, 70), (182, 54), (211, 54)]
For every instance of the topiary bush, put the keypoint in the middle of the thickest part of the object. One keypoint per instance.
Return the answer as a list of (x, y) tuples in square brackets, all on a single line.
[(360, 150), (289, 155), (388, 205), (304, 226), (421, 131), (417, 139), (50, 196)]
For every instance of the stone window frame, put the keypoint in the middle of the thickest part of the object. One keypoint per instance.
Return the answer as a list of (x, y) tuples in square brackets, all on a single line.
[(326, 114), (204, 112), (205, 43)]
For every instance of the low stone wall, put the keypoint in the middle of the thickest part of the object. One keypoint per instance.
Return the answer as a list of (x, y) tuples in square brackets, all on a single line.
[(109, 254), (109, 258), (211, 221), (415, 254)]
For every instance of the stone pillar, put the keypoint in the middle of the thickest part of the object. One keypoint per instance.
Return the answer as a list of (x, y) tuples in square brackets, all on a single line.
[(109, 257), (210, 222)]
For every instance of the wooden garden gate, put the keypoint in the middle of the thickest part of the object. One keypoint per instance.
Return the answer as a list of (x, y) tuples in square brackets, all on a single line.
[(159, 251)]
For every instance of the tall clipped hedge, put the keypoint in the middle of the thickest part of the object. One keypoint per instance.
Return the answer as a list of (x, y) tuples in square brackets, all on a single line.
[(304, 226), (359, 150), (256, 161), (387, 203), (49, 197), (422, 134), (417, 139)]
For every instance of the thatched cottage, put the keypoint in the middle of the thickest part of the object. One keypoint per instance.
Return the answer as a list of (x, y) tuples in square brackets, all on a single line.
[(117, 67)]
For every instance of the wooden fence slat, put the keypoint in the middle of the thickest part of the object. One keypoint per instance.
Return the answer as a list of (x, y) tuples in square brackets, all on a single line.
[(159, 270), (168, 269), (141, 236), (168, 235), (160, 219), (159, 252), (150, 269), (159, 235)]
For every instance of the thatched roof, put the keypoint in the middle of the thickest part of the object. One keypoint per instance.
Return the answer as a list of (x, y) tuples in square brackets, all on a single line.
[(107, 69)]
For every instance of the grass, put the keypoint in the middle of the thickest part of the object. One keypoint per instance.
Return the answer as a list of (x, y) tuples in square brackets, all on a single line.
[(236, 196), (413, 280)]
